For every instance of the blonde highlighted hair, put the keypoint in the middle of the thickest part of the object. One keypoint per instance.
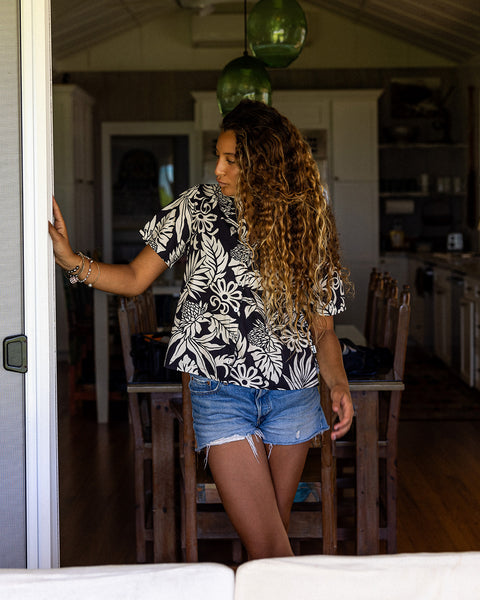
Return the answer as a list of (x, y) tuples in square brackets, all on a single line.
[(284, 214)]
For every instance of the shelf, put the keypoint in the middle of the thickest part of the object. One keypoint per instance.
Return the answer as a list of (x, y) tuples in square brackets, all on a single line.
[(432, 195), (400, 195), (421, 146)]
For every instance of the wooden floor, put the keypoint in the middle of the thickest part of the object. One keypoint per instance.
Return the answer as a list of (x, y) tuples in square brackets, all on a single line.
[(438, 500)]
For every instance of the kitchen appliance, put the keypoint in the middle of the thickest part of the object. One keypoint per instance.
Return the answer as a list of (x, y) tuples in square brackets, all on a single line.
[(455, 242)]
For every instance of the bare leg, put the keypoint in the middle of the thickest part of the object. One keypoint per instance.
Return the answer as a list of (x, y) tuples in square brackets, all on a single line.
[(248, 495), (286, 466), (258, 494)]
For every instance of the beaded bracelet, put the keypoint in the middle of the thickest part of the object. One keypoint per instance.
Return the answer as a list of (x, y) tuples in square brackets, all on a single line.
[(90, 263), (73, 274), (98, 275)]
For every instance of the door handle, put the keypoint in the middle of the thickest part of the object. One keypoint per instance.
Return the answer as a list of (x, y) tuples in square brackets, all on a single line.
[(15, 353)]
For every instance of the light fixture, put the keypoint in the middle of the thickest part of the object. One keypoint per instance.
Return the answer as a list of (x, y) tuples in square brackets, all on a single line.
[(243, 78), (277, 30)]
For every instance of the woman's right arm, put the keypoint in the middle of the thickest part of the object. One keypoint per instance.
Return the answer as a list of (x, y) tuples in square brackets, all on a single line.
[(125, 280)]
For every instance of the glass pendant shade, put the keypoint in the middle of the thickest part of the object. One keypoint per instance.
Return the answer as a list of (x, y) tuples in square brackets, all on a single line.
[(276, 31), (243, 78)]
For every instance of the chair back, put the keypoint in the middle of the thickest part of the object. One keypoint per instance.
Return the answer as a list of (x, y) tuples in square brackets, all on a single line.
[(135, 315), (402, 317), (372, 286)]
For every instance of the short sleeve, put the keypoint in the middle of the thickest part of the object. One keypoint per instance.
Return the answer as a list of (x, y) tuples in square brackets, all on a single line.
[(169, 231), (337, 301)]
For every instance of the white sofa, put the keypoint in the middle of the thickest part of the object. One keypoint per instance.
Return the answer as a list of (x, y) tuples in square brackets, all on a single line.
[(441, 576), (200, 581)]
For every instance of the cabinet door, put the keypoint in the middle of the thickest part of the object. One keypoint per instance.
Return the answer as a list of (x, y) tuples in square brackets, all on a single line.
[(85, 215), (442, 337), (356, 215), (476, 364), (397, 267), (467, 341), (354, 125), (355, 193)]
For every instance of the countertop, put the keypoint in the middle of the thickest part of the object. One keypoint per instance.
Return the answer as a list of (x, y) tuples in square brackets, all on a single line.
[(464, 263)]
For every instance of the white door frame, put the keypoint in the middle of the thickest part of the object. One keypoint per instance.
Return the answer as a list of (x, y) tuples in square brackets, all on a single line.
[(39, 290), (110, 129)]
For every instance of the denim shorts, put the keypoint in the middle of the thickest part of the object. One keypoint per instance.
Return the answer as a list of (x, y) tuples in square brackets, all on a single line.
[(226, 412)]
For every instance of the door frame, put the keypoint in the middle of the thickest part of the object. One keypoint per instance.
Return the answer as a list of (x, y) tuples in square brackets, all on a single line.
[(125, 128), (42, 501)]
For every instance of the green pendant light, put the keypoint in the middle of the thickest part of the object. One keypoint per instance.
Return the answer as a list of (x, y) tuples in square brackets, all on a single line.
[(277, 30), (243, 78)]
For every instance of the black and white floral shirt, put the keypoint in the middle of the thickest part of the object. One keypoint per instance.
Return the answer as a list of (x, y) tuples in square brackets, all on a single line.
[(220, 330)]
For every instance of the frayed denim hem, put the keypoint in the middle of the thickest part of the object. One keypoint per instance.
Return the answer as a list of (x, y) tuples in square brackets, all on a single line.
[(235, 438)]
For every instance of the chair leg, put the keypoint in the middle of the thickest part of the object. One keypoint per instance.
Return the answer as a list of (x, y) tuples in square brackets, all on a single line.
[(391, 503), (164, 546), (190, 477), (328, 479), (140, 506), (392, 476)]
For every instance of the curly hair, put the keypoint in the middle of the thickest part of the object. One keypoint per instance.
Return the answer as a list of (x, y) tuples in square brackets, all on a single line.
[(283, 214)]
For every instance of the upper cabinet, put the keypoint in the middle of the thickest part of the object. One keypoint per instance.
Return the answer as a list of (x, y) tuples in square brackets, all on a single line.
[(354, 121), (73, 156)]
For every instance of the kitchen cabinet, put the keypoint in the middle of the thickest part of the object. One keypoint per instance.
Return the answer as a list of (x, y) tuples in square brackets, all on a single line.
[(420, 280), (468, 329), (74, 172), (346, 123), (74, 183), (476, 359), (397, 266), (442, 314)]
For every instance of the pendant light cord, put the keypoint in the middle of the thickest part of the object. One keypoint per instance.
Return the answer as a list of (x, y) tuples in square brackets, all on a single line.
[(245, 51)]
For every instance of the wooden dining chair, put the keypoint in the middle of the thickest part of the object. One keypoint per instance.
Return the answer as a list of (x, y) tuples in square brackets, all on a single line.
[(152, 410), (372, 286), (314, 518), (396, 315), (202, 521), (164, 498)]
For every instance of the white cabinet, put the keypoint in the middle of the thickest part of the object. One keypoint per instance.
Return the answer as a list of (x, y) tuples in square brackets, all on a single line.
[(349, 118), (471, 295), (420, 280), (470, 333), (354, 188), (354, 123), (73, 155), (477, 339), (397, 266), (442, 311), (74, 182)]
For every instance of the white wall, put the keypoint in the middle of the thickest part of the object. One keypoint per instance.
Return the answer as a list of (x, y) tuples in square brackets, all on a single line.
[(166, 44)]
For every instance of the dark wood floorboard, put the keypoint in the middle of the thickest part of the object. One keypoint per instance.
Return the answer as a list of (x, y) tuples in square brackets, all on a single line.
[(439, 486), (438, 500)]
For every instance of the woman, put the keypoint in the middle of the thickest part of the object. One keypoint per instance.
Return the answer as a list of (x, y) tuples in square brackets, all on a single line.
[(254, 322)]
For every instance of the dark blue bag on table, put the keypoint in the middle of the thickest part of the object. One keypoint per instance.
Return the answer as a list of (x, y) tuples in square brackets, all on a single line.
[(362, 361), (148, 355)]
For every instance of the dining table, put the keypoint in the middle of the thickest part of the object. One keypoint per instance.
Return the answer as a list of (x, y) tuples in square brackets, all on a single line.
[(365, 396)]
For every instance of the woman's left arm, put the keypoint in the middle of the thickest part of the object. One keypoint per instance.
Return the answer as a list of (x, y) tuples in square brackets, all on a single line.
[(329, 357)]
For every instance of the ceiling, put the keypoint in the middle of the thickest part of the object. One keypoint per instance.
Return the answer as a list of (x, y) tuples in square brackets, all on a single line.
[(449, 28)]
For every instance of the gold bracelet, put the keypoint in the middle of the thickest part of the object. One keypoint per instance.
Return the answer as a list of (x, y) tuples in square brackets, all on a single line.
[(98, 275)]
